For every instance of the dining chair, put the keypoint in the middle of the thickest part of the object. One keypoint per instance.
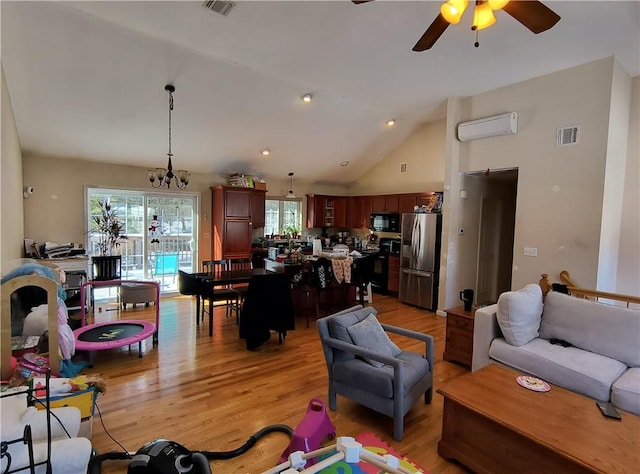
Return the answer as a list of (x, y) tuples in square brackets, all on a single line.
[(189, 285), (217, 293), (239, 264)]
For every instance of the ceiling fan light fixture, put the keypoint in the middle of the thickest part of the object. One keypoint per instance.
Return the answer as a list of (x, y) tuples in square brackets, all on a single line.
[(497, 4), (483, 17), (452, 10)]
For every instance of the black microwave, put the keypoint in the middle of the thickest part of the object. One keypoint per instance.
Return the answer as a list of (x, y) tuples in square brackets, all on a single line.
[(384, 222)]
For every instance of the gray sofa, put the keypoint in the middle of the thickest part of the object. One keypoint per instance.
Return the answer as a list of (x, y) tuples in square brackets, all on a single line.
[(602, 360)]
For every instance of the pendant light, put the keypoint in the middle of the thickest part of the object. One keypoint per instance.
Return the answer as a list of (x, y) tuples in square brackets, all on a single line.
[(290, 194), (163, 176)]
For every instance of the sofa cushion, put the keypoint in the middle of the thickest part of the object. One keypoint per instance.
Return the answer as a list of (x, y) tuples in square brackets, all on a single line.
[(339, 322), (569, 367), (356, 372), (625, 392), (519, 314), (369, 334), (609, 330)]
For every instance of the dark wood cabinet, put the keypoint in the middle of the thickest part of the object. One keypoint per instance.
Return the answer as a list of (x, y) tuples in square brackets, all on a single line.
[(354, 211), (321, 210), (365, 211), (384, 203), (406, 202), (393, 281), (258, 198), (233, 211), (340, 212), (459, 338)]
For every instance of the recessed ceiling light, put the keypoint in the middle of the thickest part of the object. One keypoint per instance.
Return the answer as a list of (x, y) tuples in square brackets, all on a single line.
[(265, 152), (344, 163), (306, 98), (391, 122)]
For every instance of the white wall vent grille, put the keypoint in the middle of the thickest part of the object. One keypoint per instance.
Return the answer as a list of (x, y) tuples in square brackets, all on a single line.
[(219, 6), (403, 168), (567, 136)]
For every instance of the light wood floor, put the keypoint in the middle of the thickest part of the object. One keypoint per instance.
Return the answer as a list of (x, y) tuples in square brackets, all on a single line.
[(212, 394)]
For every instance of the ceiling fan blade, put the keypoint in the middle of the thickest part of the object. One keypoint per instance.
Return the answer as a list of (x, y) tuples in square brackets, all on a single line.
[(432, 34), (532, 14), (358, 2)]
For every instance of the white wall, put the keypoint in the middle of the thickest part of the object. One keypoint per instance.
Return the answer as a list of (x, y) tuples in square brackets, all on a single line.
[(560, 189), (616, 163), (56, 211), (424, 153), (628, 268), (11, 219)]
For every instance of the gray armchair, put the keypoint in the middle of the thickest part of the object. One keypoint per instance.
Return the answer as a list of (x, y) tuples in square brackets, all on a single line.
[(391, 389)]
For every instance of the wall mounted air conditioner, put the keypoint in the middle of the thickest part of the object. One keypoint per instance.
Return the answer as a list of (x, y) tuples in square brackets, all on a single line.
[(503, 124)]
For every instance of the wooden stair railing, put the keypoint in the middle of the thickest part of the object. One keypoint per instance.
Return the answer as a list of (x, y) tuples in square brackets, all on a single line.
[(586, 293)]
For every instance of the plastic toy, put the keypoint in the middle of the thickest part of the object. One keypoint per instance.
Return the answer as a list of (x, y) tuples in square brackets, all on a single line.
[(312, 430)]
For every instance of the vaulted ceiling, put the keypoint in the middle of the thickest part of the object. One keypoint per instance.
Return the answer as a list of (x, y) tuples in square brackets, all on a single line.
[(86, 79)]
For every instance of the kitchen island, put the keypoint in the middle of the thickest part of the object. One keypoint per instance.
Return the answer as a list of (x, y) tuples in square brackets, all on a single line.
[(315, 288)]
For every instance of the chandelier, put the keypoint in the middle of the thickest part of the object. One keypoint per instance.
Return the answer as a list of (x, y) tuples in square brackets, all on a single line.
[(161, 177)]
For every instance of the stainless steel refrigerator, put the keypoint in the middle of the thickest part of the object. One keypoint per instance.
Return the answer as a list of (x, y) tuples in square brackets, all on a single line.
[(420, 259)]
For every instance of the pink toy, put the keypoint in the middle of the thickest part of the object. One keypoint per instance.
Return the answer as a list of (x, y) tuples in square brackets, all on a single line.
[(312, 430)]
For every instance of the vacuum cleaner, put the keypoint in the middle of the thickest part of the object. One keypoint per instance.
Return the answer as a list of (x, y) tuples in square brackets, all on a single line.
[(162, 456)]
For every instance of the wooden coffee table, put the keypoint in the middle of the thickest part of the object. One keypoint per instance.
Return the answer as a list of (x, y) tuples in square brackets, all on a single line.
[(491, 424)]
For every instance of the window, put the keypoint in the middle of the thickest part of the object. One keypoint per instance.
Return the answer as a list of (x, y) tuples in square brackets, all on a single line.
[(282, 216)]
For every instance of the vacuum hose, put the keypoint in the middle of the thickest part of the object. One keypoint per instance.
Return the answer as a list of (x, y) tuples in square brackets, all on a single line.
[(250, 442)]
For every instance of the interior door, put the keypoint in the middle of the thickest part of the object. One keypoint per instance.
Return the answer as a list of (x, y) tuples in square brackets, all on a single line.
[(489, 250)]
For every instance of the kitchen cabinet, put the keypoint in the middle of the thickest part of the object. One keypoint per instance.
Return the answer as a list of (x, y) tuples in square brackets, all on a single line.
[(340, 212), (406, 202), (385, 203), (365, 211), (327, 211), (233, 211), (393, 281), (257, 198), (459, 336)]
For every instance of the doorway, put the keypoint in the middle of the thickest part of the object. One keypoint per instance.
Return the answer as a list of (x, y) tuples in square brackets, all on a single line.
[(497, 191), (161, 233)]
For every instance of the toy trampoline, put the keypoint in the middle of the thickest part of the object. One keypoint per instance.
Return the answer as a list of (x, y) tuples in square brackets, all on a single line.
[(113, 334)]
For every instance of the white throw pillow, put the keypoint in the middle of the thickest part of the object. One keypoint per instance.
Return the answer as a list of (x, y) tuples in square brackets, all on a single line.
[(369, 334), (520, 313)]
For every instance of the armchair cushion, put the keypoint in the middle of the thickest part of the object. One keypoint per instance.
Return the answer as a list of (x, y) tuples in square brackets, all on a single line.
[(369, 334), (379, 381), (339, 323)]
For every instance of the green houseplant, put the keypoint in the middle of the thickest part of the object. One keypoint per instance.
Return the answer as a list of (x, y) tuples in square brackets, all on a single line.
[(107, 226)]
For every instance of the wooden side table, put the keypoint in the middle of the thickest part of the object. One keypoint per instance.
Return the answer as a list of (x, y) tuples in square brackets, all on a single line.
[(459, 338)]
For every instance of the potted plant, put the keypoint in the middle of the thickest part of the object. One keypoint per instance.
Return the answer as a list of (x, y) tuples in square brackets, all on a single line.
[(109, 229)]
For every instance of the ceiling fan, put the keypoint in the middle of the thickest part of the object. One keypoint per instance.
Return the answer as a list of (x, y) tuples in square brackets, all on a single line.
[(531, 13)]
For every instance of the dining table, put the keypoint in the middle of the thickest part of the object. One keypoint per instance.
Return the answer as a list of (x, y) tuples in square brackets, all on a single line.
[(222, 278)]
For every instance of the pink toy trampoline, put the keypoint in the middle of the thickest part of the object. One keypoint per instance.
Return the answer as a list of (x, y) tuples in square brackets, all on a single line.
[(112, 334)]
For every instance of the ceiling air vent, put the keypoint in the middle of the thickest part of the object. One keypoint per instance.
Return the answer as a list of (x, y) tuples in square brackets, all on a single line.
[(567, 135), (219, 6), (403, 168)]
